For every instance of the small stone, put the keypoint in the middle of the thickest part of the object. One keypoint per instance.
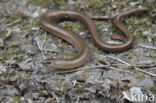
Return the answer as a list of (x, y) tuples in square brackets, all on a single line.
[(35, 95), (29, 101), (35, 14), (84, 34), (145, 33), (71, 3), (132, 4), (113, 42), (22, 87), (114, 6), (12, 91), (2, 69), (105, 29), (13, 79), (35, 28)]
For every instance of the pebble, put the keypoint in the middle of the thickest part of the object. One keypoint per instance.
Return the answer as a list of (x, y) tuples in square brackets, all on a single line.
[(35, 95), (132, 4), (2, 69), (11, 91)]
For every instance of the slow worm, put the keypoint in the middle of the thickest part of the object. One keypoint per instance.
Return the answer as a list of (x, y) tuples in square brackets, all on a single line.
[(74, 39)]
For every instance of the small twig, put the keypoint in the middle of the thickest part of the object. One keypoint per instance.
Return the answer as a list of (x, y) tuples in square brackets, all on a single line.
[(2, 41), (55, 96), (119, 70), (154, 75), (7, 35), (43, 56), (130, 65), (40, 48), (42, 44), (38, 45), (147, 46), (118, 60), (138, 65), (152, 69), (101, 17), (10, 24)]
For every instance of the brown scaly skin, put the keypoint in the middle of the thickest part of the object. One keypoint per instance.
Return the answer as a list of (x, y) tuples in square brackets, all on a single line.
[(74, 39)]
